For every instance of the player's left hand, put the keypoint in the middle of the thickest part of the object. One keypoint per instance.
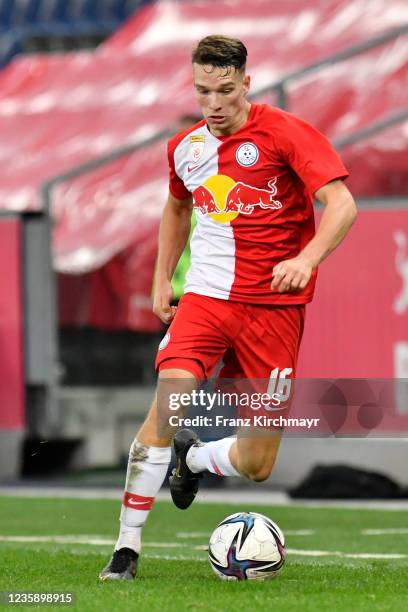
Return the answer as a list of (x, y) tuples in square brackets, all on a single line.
[(291, 275)]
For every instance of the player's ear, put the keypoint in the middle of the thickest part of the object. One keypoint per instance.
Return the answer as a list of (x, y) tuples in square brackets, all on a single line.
[(246, 83)]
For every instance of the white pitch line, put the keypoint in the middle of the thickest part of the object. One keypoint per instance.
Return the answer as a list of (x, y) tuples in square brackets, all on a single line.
[(84, 539), (70, 539), (204, 534), (375, 532), (98, 541), (170, 558), (336, 553), (192, 534)]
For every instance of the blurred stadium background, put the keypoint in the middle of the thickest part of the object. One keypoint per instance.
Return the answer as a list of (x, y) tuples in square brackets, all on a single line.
[(89, 92)]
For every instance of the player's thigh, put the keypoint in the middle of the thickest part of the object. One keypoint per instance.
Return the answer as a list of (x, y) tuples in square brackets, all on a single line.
[(258, 368), (269, 343), (197, 337)]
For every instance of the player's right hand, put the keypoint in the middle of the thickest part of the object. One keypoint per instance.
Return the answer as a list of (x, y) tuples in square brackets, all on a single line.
[(163, 297)]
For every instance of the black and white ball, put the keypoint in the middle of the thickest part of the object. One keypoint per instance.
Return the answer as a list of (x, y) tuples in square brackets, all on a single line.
[(247, 546)]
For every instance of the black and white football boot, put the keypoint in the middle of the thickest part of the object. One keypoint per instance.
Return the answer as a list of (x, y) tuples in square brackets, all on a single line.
[(183, 482), (122, 566)]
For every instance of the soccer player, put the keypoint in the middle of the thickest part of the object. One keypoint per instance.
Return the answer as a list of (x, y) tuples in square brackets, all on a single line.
[(251, 172)]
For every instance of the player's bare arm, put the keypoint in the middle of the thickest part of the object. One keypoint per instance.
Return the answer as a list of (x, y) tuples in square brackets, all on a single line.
[(173, 235), (339, 215)]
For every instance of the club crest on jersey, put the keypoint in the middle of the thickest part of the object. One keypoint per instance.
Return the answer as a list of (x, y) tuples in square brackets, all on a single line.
[(247, 154), (223, 199), (196, 148)]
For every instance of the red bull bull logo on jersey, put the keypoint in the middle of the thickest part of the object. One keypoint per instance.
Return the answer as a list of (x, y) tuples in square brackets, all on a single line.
[(224, 199)]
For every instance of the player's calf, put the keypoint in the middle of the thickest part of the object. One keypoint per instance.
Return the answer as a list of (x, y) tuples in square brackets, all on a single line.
[(255, 456), (147, 468)]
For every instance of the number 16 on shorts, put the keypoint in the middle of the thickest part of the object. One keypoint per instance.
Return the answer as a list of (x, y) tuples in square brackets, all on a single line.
[(279, 385)]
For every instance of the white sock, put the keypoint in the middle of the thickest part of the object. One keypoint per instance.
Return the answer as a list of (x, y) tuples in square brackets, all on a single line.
[(147, 468), (213, 456)]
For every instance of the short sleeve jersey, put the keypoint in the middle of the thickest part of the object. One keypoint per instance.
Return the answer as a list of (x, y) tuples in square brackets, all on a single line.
[(253, 197)]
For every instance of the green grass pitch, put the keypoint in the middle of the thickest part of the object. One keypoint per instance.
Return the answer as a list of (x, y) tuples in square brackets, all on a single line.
[(324, 569)]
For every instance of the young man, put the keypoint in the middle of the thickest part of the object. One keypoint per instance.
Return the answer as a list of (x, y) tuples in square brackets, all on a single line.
[(251, 172)]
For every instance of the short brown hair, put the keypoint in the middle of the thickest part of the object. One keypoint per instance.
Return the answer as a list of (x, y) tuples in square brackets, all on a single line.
[(221, 51)]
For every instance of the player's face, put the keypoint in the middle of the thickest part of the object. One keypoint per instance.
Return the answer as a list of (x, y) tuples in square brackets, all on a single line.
[(221, 95)]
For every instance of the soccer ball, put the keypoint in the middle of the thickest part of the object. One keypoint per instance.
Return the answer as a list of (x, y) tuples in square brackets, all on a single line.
[(246, 546)]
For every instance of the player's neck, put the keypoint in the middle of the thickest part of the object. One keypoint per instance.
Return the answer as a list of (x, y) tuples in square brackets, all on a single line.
[(240, 120)]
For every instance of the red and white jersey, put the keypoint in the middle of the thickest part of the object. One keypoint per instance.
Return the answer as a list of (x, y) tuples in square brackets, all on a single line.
[(253, 198)]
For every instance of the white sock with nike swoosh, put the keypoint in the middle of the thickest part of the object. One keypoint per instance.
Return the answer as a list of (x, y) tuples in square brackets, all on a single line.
[(147, 468)]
